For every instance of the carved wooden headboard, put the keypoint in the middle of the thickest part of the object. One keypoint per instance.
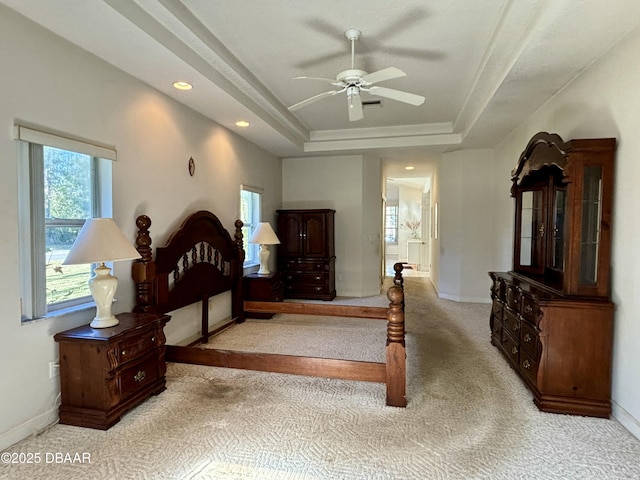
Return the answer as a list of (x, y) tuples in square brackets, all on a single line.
[(200, 260)]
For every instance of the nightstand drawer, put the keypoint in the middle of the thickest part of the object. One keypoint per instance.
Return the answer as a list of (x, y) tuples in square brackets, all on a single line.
[(133, 348), (137, 376)]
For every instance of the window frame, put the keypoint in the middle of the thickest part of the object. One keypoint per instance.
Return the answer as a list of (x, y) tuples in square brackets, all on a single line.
[(251, 250), (387, 215), (32, 222)]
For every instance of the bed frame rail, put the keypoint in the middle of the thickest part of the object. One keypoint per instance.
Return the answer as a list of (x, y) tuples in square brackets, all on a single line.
[(392, 372), (195, 279)]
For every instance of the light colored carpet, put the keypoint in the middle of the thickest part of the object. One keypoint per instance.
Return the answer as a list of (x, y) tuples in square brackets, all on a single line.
[(469, 416)]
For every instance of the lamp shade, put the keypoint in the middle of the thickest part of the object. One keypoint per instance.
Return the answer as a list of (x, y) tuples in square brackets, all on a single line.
[(264, 235), (100, 240)]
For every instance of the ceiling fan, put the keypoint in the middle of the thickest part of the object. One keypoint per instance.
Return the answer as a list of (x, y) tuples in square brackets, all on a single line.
[(354, 81)]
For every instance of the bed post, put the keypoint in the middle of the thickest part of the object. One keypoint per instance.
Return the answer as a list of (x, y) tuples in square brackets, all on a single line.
[(396, 351), (143, 270), (237, 307), (398, 279)]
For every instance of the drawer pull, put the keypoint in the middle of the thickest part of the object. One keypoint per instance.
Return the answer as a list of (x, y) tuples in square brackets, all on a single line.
[(516, 327), (139, 377), (123, 353), (318, 289), (527, 338), (526, 364), (528, 309), (514, 350), (318, 278), (153, 339)]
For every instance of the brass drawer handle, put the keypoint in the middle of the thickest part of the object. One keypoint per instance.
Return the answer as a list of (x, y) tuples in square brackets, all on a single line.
[(318, 289), (139, 377), (528, 309), (514, 350), (526, 364), (318, 278), (527, 338)]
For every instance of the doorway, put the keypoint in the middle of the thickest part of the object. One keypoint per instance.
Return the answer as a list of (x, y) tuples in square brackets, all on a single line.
[(406, 221)]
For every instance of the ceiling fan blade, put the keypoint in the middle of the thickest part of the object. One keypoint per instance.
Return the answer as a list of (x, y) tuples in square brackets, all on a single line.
[(382, 75), (354, 104), (313, 99), (398, 95), (321, 79)]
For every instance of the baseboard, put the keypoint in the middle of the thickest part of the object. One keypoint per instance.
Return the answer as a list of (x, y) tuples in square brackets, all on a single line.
[(627, 420), (457, 298), (32, 426)]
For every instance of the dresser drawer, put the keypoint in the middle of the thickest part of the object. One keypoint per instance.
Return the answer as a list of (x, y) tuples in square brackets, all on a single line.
[(530, 309), (513, 297), (304, 289), (306, 266), (496, 310), (496, 329), (510, 347), (529, 339), (309, 278), (511, 323), (528, 367)]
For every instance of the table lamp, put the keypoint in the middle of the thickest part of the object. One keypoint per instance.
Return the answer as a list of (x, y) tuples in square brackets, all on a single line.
[(101, 240), (264, 235)]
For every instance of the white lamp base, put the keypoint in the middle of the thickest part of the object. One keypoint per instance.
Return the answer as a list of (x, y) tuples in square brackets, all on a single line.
[(264, 260), (103, 288)]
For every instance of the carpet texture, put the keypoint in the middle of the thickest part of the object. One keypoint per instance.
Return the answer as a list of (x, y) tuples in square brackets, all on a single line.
[(468, 417)]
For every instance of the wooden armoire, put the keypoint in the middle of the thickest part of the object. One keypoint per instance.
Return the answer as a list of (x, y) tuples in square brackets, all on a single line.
[(306, 254), (552, 316)]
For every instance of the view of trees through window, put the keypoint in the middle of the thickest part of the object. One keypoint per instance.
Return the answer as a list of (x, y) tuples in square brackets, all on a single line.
[(68, 201)]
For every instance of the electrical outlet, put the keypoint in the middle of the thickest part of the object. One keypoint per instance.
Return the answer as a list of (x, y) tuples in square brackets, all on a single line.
[(54, 369)]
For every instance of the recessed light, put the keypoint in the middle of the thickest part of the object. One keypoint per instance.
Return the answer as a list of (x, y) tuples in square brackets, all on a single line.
[(242, 123), (409, 167), (182, 85)]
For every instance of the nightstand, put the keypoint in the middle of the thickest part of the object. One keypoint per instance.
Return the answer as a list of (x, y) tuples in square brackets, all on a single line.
[(263, 288), (105, 372)]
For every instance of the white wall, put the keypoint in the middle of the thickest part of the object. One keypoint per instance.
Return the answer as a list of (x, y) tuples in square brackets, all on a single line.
[(345, 184), (465, 179), (602, 102), (48, 82)]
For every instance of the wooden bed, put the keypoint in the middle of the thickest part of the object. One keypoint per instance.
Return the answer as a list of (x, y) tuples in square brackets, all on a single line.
[(202, 260)]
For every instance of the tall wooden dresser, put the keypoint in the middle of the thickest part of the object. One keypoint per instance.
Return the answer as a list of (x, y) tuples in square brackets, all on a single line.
[(552, 316), (306, 254)]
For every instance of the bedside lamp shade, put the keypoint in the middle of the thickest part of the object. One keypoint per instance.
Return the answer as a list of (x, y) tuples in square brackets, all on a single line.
[(264, 235), (100, 240)]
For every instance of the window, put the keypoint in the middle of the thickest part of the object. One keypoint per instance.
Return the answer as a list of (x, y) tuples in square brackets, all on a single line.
[(250, 214), (59, 189), (391, 224)]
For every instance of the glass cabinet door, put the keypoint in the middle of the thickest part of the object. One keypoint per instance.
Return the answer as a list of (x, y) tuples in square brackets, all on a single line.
[(532, 231), (556, 251), (590, 231)]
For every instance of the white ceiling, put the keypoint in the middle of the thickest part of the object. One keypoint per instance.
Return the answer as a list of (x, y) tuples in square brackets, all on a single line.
[(483, 65)]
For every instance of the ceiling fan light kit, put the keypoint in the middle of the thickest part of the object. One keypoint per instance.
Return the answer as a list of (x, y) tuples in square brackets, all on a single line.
[(353, 81)]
